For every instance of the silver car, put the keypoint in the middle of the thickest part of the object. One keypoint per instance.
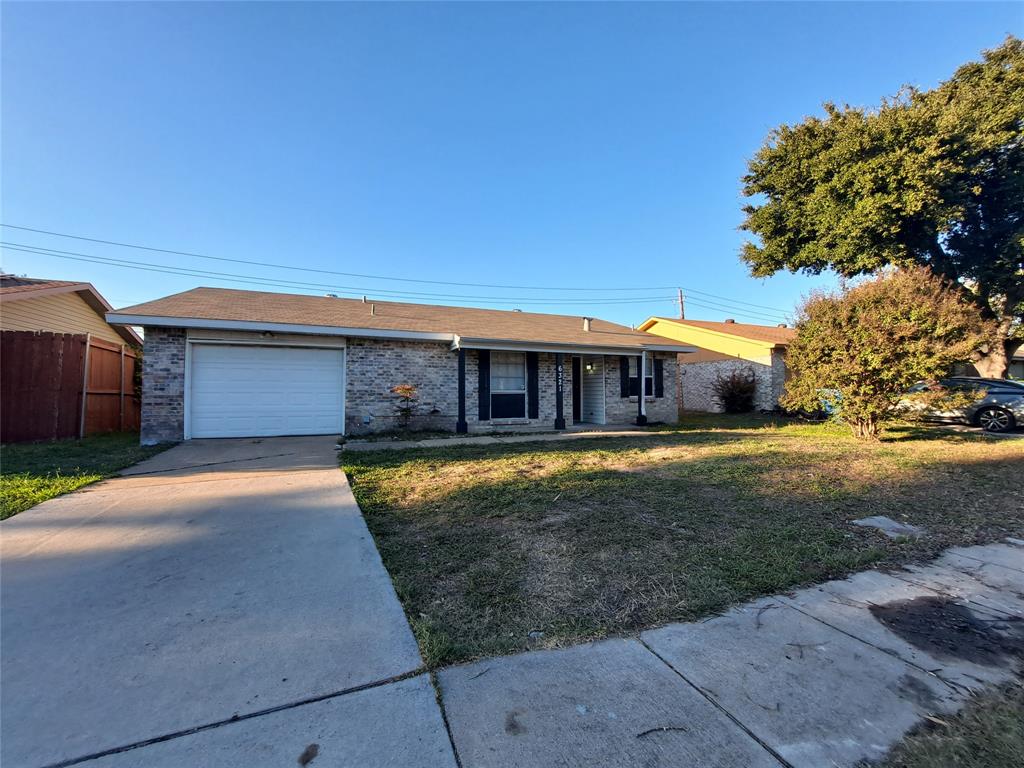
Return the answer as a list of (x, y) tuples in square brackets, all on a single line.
[(999, 407)]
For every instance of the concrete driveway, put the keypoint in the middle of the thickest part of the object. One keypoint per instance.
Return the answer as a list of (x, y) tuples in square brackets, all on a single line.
[(221, 604)]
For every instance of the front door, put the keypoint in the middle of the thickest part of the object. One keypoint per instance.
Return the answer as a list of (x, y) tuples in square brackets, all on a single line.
[(592, 390)]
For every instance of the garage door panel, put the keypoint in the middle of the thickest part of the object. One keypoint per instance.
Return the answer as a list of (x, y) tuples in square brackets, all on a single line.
[(253, 391)]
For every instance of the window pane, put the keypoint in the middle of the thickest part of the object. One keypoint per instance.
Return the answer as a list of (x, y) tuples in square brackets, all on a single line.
[(508, 406), (508, 372)]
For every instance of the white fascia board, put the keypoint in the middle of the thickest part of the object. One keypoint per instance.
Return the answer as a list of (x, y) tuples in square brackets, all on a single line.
[(250, 325), (669, 348), (572, 349)]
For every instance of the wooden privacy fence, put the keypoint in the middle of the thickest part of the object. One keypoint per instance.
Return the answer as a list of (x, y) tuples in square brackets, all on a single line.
[(60, 385)]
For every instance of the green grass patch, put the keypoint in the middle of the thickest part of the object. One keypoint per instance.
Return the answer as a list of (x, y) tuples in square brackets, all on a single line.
[(31, 473), (496, 549), (987, 733)]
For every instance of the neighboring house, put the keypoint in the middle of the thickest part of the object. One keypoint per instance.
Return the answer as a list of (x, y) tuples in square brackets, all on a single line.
[(724, 347), (58, 306), (230, 363), (1016, 367), (66, 371)]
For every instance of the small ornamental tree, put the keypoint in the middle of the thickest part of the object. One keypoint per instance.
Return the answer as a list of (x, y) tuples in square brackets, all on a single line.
[(860, 350), (408, 396)]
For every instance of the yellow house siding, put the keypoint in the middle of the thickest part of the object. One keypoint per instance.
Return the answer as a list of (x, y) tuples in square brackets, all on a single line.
[(745, 349), (59, 313)]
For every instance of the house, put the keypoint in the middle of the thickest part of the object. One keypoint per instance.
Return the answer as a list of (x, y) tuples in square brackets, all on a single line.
[(58, 306), (1015, 369), (724, 347), (66, 371), (233, 363)]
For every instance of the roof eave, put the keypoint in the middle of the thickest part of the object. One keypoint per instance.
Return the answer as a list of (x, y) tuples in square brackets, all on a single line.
[(169, 321), (521, 345)]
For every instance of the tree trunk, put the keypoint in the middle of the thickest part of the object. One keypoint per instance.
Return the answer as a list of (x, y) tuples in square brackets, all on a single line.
[(994, 364), (865, 429)]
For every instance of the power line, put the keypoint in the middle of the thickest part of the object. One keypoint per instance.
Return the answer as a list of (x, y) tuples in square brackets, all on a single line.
[(354, 291), (293, 285), (379, 277), (275, 281)]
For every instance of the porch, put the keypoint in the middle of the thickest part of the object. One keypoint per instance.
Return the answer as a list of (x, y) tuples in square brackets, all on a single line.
[(527, 390)]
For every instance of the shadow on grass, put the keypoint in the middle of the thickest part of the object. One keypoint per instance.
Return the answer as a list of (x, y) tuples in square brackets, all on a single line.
[(499, 549)]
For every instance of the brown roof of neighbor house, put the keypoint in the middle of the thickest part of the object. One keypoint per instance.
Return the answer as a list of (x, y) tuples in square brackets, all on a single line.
[(769, 333), (16, 288), (472, 326), (10, 284)]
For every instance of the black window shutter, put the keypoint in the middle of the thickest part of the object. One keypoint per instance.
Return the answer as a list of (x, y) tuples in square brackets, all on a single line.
[(532, 387), (623, 376), (484, 388), (659, 377)]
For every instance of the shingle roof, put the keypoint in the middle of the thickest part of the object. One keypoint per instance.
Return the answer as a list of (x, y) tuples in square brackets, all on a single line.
[(769, 333), (224, 304), (10, 284)]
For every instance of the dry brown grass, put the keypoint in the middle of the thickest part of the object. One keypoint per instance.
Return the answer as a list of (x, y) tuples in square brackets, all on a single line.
[(501, 548)]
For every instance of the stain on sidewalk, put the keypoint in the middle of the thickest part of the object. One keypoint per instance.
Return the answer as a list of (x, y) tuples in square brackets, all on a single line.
[(947, 629)]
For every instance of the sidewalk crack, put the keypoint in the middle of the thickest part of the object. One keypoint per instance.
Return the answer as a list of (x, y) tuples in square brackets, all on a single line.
[(234, 719), (761, 742)]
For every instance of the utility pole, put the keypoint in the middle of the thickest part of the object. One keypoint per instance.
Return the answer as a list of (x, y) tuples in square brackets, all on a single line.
[(682, 306)]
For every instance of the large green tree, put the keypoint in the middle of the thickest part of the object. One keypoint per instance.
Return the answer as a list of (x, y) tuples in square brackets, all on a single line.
[(930, 178)]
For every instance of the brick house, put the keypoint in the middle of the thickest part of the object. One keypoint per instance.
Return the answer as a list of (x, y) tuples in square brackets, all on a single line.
[(724, 347), (230, 363)]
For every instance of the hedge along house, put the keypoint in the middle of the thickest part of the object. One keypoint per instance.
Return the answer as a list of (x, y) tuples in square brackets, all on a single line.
[(230, 363), (722, 348)]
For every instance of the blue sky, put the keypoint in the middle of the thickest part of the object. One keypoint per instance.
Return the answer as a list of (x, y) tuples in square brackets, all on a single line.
[(562, 146)]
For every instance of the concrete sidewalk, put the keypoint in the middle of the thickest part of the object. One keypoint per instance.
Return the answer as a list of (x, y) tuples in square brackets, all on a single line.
[(827, 676)]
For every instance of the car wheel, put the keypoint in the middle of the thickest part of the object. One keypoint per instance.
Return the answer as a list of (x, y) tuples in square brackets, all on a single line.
[(995, 420)]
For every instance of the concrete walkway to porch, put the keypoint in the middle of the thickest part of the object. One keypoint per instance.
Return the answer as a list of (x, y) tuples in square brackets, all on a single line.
[(578, 432)]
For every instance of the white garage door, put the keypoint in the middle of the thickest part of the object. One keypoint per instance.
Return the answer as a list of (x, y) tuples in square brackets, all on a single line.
[(251, 391)]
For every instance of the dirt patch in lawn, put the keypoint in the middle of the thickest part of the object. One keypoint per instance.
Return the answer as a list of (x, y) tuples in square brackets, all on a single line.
[(495, 549)]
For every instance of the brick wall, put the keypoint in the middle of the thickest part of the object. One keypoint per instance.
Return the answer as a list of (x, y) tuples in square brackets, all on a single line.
[(163, 386), (697, 380), (374, 366), (623, 410)]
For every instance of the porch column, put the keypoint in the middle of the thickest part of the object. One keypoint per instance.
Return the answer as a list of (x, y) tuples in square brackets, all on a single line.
[(461, 426), (559, 390), (641, 397)]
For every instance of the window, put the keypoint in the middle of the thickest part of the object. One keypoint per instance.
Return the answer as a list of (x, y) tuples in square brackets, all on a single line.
[(508, 385), (634, 362)]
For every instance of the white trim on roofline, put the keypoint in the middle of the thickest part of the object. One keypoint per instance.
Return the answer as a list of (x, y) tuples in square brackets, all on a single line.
[(251, 325), (461, 342)]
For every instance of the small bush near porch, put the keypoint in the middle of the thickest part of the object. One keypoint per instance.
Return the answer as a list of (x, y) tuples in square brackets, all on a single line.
[(503, 548)]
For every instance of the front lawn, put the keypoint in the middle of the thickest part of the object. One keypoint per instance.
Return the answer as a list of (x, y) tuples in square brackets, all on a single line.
[(495, 549), (987, 733), (31, 473)]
